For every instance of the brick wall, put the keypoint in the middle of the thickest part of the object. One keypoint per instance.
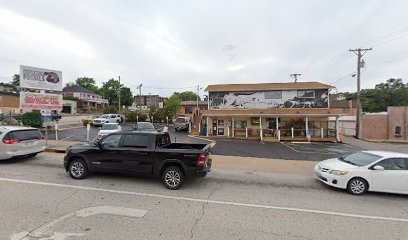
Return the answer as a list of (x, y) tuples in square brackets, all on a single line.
[(397, 117), (375, 127)]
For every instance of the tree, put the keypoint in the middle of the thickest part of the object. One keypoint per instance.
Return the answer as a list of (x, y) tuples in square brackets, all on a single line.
[(126, 96), (187, 96), (70, 84), (88, 83), (172, 106), (391, 93), (110, 89), (71, 98)]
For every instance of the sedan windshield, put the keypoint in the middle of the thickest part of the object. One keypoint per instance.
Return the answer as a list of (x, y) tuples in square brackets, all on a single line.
[(110, 127), (360, 158)]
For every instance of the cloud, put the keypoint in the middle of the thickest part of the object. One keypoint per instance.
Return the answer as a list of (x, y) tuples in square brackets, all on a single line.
[(164, 44)]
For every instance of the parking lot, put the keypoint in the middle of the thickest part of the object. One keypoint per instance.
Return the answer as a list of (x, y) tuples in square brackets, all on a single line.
[(314, 151)]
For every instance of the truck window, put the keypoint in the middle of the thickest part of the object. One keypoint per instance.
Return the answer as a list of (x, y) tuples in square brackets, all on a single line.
[(163, 140), (136, 141), (111, 141)]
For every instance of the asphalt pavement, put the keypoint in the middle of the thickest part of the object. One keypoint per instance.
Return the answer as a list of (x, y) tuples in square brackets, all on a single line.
[(40, 200), (315, 151)]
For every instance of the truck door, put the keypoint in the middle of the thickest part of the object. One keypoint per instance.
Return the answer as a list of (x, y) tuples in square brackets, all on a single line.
[(137, 154)]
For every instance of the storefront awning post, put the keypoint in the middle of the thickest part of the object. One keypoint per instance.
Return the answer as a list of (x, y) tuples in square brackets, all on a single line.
[(233, 127)]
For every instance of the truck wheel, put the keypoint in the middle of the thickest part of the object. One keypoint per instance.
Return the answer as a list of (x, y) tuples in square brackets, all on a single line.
[(78, 169), (173, 178)]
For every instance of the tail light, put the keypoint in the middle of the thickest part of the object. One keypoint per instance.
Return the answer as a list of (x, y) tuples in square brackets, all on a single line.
[(41, 138), (11, 141), (201, 160)]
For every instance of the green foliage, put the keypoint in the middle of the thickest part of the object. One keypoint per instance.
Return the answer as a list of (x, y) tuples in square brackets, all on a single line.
[(88, 83), (187, 96), (32, 119), (131, 116), (158, 114), (71, 98), (172, 106), (109, 91), (14, 85), (391, 93), (110, 109)]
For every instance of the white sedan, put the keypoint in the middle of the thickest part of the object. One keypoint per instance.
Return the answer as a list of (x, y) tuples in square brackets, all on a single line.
[(364, 171), (108, 128)]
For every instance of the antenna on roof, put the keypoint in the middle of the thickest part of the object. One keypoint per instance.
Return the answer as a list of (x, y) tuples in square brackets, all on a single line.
[(295, 75)]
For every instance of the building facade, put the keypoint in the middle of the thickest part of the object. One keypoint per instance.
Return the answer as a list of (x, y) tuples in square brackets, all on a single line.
[(9, 102), (189, 108), (386, 126), (87, 99), (270, 111), (148, 101)]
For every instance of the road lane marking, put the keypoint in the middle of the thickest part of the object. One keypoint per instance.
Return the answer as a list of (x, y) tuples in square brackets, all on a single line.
[(68, 137), (290, 209)]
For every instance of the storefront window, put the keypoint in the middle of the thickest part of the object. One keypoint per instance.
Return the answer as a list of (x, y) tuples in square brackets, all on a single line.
[(240, 124)]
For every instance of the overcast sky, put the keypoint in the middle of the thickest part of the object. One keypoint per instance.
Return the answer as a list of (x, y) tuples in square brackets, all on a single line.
[(179, 44)]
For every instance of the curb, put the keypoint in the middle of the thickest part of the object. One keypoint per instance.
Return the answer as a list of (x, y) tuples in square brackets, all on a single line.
[(56, 150)]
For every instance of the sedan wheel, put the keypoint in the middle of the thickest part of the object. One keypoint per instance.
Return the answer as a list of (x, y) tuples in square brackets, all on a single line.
[(173, 178), (78, 169), (357, 186)]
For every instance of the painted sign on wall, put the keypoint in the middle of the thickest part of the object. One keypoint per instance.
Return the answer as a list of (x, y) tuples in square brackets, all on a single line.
[(40, 101), (317, 98), (40, 78)]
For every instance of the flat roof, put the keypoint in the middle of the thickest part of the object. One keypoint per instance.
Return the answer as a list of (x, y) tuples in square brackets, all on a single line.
[(267, 86), (273, 111)]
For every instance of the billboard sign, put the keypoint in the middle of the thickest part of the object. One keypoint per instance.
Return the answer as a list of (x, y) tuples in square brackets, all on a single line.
[(39, 78), (40, 101)]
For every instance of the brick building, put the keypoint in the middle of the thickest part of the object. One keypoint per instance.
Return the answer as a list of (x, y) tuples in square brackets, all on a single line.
[(386, 126), (148, 101), (9, 102), (188, 108)]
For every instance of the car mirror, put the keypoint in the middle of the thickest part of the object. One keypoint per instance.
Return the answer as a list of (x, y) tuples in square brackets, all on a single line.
[(378, 167)]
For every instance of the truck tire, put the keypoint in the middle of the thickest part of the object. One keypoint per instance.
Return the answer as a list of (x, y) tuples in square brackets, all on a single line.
[(173, 177), (78, 169)]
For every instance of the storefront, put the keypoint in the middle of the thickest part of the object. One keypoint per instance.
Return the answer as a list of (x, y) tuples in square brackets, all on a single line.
[(274, 112)]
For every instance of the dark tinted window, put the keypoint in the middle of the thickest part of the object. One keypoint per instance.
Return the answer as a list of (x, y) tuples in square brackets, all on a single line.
[(145, 125), (111, 141), (181, 120), (162, 140), (138, 141), (23, 135), (394, 164)]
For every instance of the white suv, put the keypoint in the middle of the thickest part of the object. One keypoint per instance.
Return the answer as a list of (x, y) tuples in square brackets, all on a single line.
[(16, 141), (106, 118)]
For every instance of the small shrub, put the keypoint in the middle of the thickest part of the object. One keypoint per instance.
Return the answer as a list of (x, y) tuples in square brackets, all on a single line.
[(32, 119)]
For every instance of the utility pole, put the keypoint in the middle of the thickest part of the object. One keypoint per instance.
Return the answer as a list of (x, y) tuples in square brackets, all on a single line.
[(359, 52), (198, 92), (119, 95), (295, 75), (140, 95)]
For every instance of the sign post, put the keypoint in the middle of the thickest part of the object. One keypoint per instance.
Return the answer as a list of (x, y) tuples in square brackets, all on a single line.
[(56, 131), (88, 128)]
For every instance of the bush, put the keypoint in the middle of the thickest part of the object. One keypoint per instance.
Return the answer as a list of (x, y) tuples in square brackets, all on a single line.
[(131, 116), (110, 110), (32, 119)]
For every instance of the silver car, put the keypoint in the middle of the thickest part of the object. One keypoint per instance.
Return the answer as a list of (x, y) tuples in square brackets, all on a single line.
[(19, 141)]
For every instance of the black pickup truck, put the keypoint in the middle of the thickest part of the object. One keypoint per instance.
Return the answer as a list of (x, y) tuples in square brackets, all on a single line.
[(145, 153)]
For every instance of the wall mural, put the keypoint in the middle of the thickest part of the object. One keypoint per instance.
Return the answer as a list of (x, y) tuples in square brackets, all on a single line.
[(269, 99)]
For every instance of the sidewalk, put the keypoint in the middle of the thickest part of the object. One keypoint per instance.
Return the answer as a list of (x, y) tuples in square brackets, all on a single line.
[(376, 146), (58, 146)]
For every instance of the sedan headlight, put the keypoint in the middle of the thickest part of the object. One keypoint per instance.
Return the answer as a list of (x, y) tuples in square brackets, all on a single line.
[(338, 172)]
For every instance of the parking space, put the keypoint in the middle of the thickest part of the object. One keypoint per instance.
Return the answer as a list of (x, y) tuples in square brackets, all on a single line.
[(315, 151)]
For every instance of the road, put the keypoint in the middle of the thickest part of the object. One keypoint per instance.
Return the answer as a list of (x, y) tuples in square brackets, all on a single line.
[(38, 198), (315, 151)]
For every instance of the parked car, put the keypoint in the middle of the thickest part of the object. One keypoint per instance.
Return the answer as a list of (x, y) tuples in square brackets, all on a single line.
[(364, 171), (19, 141), (146, 153), (182, 123), (106, 118), (144, 126), (89, 120), (108, 128)]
